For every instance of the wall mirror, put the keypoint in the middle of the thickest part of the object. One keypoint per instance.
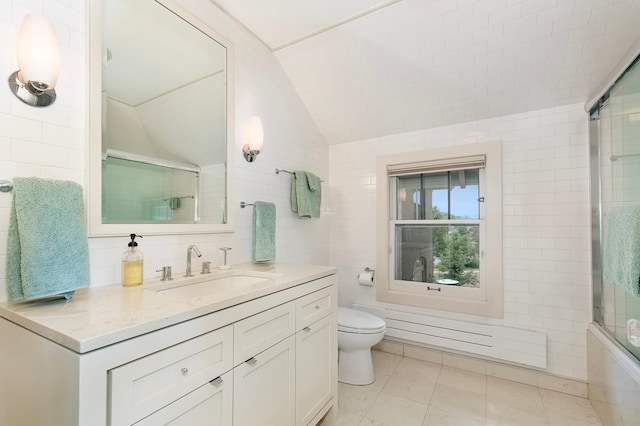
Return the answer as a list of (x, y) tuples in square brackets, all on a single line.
[(161, 121)]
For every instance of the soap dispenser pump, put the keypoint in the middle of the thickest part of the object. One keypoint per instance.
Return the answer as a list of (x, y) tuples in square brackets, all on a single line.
[(132, 264)]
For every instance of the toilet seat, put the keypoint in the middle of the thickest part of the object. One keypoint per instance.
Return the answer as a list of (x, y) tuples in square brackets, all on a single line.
[(353, 321)]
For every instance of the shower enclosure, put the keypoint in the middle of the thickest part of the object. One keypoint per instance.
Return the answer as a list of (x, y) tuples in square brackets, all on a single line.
[(614, 133)]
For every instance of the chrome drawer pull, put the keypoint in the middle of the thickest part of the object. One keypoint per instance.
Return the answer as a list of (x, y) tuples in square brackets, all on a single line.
[(307, 329), (252, 361), (217, 381), (184, 370)]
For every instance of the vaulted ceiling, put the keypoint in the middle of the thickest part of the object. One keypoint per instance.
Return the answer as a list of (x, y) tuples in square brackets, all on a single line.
[(370, 68)]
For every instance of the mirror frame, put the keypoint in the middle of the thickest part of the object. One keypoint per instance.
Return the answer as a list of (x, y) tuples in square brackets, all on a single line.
[(94, 152)]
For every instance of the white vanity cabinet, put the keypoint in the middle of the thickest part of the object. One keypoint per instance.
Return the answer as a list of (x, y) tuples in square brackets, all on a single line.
[(316, 344), (267, 360)]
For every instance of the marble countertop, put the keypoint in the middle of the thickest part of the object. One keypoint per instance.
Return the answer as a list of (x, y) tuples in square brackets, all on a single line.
[(100, 316)]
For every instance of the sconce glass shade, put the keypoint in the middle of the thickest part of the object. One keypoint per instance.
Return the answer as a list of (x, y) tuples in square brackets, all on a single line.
[(38, 60), (253, 139)]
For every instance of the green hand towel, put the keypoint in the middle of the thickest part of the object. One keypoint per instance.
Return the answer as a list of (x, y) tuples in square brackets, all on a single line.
[(264, 232), (621, 263), (47, 248), (306, 194)]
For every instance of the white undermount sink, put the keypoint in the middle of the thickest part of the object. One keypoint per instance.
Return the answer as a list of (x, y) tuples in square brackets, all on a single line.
[(237, 282)]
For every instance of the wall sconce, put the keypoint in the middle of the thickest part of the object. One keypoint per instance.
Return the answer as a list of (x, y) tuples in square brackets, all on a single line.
[(38, 62), (253, 139)]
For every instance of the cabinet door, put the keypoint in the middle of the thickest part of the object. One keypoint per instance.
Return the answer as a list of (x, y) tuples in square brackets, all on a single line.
[(264, 387), (209, 405), (315, 349), (258, 332)]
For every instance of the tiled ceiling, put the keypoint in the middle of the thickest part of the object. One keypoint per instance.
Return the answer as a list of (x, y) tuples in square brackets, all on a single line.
[(396, 66)]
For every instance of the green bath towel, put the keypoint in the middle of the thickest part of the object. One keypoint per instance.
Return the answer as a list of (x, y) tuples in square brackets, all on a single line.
[(621, 263), (306, 194), (47, 247), (264, 232)]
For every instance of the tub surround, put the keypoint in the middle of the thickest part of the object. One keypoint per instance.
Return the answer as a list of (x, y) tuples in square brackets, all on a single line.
[(614, 380)]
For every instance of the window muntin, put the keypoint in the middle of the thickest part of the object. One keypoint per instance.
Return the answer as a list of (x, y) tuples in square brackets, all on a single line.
[(440, 195), (438, 253), (397, 210), (436, 228)]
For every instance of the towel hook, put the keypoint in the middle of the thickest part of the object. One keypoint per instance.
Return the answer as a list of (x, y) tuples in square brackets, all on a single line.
[(243, 204), (6, 185)]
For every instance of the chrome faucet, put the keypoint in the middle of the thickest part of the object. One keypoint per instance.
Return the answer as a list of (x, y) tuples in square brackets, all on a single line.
[(191, 248)]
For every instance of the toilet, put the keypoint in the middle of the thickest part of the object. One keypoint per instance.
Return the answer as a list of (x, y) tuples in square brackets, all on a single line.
[(358, 331)]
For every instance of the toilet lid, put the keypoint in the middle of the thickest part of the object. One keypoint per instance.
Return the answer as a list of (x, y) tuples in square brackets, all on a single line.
[(354, 321)]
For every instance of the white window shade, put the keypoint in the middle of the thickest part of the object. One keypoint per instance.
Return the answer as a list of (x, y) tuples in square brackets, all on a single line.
[(443, 164)]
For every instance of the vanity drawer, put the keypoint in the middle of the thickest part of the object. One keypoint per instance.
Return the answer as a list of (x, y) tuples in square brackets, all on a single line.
[(256, 333), (312, 307), (142, 387), (209, 405)]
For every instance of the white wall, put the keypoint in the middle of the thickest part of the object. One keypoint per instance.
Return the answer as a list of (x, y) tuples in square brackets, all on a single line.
[(545, 221), (546, 212), (51, 142)]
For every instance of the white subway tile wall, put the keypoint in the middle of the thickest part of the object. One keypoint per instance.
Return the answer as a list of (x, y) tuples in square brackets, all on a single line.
[(51, 142), (547, 286)]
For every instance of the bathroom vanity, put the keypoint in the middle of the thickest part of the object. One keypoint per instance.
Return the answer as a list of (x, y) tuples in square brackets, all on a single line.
[(255, 345)]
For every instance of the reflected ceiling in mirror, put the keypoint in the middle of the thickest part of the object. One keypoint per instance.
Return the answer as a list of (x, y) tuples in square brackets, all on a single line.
[(161, 149)]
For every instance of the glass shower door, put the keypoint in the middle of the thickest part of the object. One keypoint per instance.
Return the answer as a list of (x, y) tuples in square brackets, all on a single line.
[(619, 169)]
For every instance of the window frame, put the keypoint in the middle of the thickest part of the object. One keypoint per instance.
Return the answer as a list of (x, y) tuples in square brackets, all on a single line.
[(486, 300)]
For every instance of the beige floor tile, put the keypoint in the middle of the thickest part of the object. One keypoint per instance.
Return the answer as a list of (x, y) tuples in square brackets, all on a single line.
[(465, 363), (465, 403), (420, 370), (370, 422), (559, 384), (439, 417), (409, 392), (344, 418), (356, 399), (383, 366), (569, 406), (504, 393), (409, 388), (390, 347), (515, 374), (462, 379), (423, 354), (392, 410), (558, 420), (385, 363), (506, 415)]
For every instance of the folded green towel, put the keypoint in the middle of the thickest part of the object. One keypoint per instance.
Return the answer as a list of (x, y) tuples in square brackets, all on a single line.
[(47, 248), (621, 263), (264, 232), (306, 194)]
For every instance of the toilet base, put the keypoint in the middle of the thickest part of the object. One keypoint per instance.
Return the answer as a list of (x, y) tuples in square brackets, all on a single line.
[(355, 367)]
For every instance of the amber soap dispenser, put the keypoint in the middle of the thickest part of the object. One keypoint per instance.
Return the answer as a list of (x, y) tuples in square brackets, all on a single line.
[(132, 264)]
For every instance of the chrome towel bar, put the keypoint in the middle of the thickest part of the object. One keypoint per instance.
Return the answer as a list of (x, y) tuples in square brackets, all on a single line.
[(5, 185)]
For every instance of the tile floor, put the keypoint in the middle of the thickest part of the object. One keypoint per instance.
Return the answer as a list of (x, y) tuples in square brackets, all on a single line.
[(410, 392)]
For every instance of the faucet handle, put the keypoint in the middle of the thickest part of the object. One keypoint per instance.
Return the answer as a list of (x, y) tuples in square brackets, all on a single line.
[(225, 265), (166, 273), (206, 267)]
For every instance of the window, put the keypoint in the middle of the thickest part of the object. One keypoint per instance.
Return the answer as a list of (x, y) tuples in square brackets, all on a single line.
[(440, 243)]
